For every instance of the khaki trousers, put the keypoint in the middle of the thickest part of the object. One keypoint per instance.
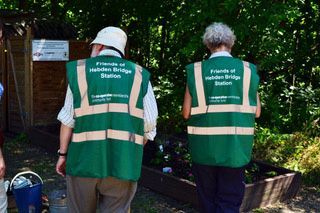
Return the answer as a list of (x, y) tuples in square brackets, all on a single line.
[(114, 195)]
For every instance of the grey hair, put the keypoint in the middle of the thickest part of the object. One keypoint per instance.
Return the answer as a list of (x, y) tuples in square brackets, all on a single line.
[(218, 34)]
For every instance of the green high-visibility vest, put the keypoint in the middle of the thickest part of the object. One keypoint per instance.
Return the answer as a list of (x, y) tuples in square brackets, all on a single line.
[(224, 103), (108, 103)]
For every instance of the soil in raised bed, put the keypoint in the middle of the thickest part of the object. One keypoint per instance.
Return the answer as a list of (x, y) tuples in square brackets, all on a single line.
[(173, 153)]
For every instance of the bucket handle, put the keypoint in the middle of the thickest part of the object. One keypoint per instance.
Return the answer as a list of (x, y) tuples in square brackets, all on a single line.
[(22, 173)]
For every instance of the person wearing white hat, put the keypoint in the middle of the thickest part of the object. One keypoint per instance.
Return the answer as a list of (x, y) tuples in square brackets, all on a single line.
[(109, 114), (112, 38)]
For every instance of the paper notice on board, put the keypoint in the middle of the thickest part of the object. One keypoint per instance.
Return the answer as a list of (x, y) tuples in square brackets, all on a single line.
[(50, 50)]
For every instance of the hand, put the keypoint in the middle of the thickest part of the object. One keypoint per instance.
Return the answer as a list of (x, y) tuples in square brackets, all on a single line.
[(145, 141), (2, 168), (61, 166)]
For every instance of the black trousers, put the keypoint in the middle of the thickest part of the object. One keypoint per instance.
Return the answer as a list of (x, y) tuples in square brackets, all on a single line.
[(220, 189)]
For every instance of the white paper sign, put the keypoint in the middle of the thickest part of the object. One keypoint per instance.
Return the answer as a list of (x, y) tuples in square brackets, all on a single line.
[(50, 50)]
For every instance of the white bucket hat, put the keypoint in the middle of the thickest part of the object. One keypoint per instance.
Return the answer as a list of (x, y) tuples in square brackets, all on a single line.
[(112, 36)]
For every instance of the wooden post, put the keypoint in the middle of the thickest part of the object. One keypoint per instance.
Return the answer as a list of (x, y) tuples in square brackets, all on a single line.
[(28, 80), (4, 83), (16, 85)]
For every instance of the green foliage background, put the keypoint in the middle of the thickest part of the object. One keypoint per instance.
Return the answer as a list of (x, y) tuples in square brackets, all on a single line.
[(280, 36)]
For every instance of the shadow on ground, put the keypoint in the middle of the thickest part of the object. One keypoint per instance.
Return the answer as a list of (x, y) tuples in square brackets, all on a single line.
[(20, 155)]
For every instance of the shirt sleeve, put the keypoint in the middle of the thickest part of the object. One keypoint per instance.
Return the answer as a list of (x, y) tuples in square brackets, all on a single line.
[(66, 114), (150, 114)]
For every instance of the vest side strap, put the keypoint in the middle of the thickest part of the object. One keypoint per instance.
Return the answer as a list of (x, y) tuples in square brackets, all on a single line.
[(199, 84), (246, 83), (107, 134), (82, 82)]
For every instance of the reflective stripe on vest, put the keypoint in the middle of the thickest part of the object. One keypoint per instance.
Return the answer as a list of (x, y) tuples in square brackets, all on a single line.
[(232, 130), (110, 133), (86, 109), (203, 108)]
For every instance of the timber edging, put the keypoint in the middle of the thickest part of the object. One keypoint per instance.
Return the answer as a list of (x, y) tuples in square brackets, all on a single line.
[(285, 186)]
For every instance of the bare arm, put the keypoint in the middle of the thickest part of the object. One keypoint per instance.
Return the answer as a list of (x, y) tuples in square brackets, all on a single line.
[(65, 137), (186, 110), (2, 165), (258, 112)]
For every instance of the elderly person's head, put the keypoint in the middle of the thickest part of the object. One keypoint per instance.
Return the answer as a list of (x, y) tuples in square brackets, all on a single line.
[(218, 37), (109, 38)]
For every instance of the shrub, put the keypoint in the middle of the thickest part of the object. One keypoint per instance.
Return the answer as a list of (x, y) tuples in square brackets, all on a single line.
[(299, 151), (307, 161)]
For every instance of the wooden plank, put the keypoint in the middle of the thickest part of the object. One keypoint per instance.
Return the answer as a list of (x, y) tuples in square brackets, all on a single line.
[(13, 100), (47, 118), (270, 183), (252, 202), (48, 91), (79, 50), (257, 194), (31, 89), (52, 114), (179, 189), (20, 77), (27, 80), (45, 66), (4, 82), (49, 83), (53, 108), (49, 74), (49, 79), (51, 87), (49, 95), (266, 195), (11, 90), (43, 119), (18, 48)]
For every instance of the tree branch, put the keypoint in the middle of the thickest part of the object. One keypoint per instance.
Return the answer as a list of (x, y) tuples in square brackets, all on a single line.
[(289, 66)]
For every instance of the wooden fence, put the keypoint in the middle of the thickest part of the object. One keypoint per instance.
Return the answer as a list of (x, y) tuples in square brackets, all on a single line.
[(34, 90)]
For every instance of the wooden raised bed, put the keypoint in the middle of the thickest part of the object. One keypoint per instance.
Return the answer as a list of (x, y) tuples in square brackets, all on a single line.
[(258, 194)]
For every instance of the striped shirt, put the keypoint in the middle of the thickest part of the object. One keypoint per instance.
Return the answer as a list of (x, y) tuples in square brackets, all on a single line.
[(220, 53), (150, 109)]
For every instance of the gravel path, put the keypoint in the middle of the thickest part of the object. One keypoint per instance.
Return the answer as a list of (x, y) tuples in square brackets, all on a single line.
[(21, 156)]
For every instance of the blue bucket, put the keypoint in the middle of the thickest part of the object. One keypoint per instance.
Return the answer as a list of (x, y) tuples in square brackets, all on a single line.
[(29, 198)]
